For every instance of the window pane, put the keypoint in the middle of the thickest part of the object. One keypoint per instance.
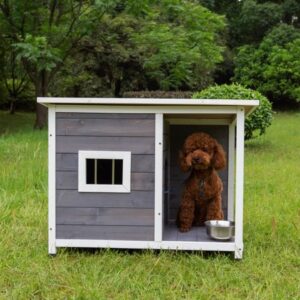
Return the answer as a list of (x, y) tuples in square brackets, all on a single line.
[(90, 171), (104, 171), (118, 171)]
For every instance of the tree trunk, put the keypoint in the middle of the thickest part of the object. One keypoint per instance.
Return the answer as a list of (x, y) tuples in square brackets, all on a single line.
[(41, 116), (12, 106), (117, 91), (41, 111)]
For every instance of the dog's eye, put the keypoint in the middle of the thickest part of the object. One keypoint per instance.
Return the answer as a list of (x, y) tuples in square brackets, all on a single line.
[(205, 148)]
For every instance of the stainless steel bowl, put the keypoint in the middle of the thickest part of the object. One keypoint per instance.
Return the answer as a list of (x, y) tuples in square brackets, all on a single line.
[(220, 230)]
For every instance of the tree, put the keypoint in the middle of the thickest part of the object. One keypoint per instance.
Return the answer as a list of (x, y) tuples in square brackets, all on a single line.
[(12, 75), (150, 45), (255, 20), (45, 33), (272, 67), (180, 44)]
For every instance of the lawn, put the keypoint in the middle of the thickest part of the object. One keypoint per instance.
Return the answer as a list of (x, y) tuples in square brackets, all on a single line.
[(270, 268)]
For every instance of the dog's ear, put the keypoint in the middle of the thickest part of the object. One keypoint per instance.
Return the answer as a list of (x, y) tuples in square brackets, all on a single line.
[(219, 158), (183, 163)]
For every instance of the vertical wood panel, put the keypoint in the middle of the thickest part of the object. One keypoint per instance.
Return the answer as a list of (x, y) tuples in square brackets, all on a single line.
[(239, 187), (51, 181)]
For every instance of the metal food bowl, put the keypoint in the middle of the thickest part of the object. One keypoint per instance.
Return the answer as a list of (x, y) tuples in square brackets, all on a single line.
[(220, 230)]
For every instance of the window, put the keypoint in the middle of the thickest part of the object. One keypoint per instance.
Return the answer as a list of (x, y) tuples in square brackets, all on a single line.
[(104, 171)]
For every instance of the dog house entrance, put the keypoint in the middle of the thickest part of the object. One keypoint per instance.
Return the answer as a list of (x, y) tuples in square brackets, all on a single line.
[(174, 136)]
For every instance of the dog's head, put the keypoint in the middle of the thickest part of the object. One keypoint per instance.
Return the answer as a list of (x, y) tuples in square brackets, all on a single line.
[(200, 152)]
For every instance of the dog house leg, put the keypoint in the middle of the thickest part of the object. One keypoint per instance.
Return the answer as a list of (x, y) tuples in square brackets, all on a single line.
[(238, 253), (51, 181), (239, 186)]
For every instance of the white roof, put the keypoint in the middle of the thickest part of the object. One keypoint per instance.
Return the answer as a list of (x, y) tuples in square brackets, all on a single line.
[(247, 104)]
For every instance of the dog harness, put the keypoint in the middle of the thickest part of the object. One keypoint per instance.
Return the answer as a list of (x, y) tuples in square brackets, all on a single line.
[(201, 189)]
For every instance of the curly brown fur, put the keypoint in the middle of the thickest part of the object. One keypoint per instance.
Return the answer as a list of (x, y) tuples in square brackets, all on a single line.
[(201, 200)]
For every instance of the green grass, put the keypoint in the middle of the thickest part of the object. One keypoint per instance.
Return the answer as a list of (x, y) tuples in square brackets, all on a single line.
[(270, 268)]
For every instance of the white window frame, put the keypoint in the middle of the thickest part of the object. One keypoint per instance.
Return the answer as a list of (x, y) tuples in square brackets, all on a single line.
[(125, 187)]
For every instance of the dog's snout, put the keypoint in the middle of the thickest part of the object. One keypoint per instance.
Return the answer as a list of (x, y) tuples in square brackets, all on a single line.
[(197, 160)]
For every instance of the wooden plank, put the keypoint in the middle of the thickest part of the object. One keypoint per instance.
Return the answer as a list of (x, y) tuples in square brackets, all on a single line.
[(137, 145), (134, 233), (142, 181), (139, 163), (239, 183), (135, 199), (215, 103), (105, 127), (105, 216), (197, 234), (51, 181), (142, 163), (139, 181), (75, 115), (159, 176)]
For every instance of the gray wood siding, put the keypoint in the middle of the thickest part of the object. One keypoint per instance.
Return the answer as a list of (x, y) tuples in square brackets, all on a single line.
[(124, 216), (71, 115), (137, 145), (141, 233), (178, 133), (135, 199), (105, 127), (104, 216)]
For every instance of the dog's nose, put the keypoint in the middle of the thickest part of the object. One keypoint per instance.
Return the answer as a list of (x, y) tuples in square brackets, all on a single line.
[(197, 160)]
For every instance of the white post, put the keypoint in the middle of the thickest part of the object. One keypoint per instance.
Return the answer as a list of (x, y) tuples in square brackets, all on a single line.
[(51, 181), (239, 188), (231, 177), (158, 210)]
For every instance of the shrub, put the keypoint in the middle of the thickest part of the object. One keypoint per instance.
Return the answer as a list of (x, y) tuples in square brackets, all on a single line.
[(272, 68), (258, 121)]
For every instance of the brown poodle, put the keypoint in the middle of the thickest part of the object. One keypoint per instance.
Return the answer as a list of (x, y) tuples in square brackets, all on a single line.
[(201, 199)]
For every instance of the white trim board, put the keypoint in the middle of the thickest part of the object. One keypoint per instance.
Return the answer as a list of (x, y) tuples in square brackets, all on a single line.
[(158, 201), (176, 245), (208, 110), (51, 181), (147, 101), (247, 104)]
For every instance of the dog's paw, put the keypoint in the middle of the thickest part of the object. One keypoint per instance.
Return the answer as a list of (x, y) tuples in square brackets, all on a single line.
[(184, 228)]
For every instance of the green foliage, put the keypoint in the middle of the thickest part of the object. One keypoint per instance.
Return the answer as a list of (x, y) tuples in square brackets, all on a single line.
[(180, 44), (273, 67), (258, 121), (36, 50), (256, 19), (143, 45), (159, 94)]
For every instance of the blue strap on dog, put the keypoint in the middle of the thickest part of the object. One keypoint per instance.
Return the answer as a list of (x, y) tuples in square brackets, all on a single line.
[(201, 189)]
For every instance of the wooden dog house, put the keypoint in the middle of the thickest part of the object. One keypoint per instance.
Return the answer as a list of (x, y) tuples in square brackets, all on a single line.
[(114, 179)]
